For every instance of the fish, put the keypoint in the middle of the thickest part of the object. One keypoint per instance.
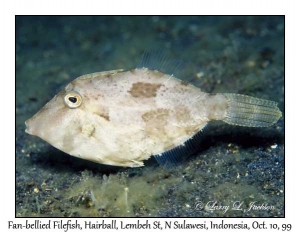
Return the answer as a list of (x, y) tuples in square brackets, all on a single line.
[(123, 117)]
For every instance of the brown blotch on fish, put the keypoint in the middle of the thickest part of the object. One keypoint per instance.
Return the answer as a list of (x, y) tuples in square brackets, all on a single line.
[(88, 130), (156, 122), (146, 90), (184, 83), (160, 116), (105, 116), (182, 113)]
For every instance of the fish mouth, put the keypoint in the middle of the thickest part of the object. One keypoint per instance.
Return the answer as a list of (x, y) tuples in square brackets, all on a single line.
[(28, 128)]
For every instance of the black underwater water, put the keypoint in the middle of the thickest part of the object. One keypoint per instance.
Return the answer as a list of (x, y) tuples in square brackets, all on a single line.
[(233, 54)]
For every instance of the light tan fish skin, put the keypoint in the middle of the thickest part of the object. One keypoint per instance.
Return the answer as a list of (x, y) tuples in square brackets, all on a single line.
[(125, 117)]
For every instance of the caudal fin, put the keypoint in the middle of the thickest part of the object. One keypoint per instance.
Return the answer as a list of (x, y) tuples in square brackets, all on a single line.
[(251, 112)]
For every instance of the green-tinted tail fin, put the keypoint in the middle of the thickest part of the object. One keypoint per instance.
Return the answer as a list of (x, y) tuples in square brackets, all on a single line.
[(249, 111)]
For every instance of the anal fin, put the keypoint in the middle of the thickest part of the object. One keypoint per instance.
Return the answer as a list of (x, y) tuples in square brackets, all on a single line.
[(175, 156)]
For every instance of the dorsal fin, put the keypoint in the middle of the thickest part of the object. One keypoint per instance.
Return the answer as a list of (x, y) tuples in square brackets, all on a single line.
[(159, 60), (174, 157)]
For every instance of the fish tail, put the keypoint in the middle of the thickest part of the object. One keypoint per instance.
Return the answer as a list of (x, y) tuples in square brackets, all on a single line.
[(251, 112)]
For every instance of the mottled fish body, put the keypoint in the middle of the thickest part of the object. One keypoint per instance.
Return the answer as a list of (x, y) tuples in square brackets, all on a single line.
[(123, 117)]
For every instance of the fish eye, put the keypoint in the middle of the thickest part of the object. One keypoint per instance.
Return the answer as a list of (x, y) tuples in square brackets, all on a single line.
[(73, 99)]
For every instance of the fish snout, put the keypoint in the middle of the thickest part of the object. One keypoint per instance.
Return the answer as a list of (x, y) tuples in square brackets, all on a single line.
[(33, 126), (29, 128)]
